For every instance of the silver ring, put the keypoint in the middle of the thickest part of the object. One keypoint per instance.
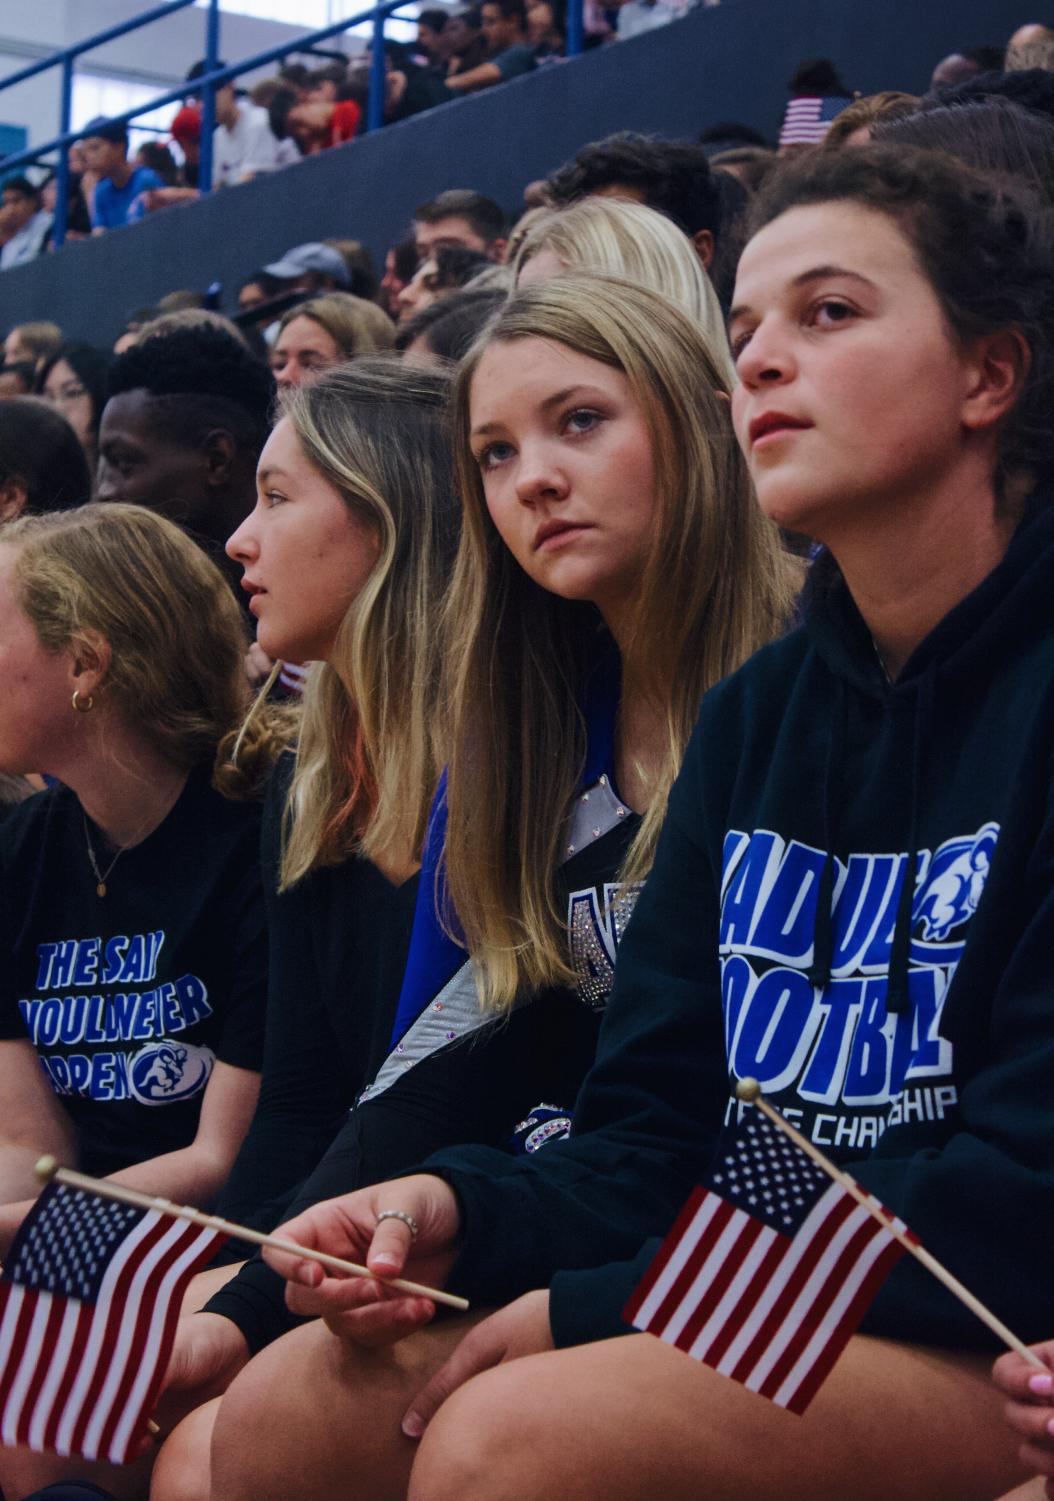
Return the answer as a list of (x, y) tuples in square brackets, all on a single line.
[(399, 1214)]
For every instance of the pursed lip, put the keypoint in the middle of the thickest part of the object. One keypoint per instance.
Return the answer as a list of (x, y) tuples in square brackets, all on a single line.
[(551, 531), (254, 591), (775, 422)]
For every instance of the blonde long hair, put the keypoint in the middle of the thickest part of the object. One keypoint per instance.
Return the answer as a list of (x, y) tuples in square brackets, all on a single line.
[(126, 576), (715, 587), (366, 769), (642, 246)]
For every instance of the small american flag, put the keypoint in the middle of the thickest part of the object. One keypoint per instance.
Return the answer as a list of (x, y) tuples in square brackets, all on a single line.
[(89, 1300), (768, 1269), (808, 119), (293, 676)]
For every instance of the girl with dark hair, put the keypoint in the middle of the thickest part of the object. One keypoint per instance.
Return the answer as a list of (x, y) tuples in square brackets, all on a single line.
[(851, 901), (42, 463), (73, 379), (993, 135)]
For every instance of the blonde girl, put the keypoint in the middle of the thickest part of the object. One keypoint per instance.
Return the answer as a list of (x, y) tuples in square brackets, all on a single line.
[(325, 331), (132, 1000), (632, 241), (611, 568)]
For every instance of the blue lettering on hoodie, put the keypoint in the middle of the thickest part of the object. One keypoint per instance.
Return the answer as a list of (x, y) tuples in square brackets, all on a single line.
[(839, 1047)]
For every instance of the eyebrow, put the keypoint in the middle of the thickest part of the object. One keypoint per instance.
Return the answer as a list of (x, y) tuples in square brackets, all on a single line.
[(555, 400), (815, 273), (263, 475)]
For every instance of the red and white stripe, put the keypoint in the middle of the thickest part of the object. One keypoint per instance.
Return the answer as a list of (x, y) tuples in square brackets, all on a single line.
[(770, 1311), (805, 123), (82, 1378), (293, 676)]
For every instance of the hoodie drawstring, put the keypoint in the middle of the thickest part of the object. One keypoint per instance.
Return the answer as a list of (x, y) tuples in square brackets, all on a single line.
[(819, 973), (897, 997), (823, 932)]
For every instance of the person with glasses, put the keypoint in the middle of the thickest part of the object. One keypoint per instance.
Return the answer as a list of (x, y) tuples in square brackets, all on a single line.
[(73, 379)]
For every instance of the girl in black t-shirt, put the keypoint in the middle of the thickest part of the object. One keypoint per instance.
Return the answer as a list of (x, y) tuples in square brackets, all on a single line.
[(131, 915)]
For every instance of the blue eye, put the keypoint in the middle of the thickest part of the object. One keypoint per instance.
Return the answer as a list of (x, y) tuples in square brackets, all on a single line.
[(493, 455), (582, 420)]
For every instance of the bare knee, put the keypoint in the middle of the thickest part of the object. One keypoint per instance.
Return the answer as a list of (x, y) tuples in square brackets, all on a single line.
[(488, 1441), (181, 1472), (249, 1452), (313, 1417)]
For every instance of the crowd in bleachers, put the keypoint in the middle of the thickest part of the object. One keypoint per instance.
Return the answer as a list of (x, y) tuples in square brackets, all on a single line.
[(464, 714), (302, 110)]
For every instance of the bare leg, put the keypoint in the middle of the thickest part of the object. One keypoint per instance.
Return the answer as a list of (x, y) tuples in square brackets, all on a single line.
[(315, 1417), (635, 1419), (1032, 1491), (22, 1472), (182, 1469)]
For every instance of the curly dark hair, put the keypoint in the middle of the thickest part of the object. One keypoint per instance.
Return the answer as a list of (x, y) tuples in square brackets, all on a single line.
[(211, 378), (985, 246), (673, 177)]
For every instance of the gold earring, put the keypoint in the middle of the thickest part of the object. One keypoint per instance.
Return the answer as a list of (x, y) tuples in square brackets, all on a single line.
[(82, 705)]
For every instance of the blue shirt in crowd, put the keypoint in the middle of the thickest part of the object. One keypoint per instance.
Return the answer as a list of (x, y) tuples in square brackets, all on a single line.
[(112, 204)]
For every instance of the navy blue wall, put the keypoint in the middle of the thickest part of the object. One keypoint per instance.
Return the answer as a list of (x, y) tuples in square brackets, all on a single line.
[(731, 62)]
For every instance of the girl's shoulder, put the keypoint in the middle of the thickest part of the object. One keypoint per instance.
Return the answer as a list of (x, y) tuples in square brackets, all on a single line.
[(24, 825)]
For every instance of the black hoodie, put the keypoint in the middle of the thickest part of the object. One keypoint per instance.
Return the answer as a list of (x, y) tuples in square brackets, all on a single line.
[(908, 1030)]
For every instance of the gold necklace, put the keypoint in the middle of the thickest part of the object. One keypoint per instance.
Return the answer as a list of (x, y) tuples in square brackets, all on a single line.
[(101, 877)]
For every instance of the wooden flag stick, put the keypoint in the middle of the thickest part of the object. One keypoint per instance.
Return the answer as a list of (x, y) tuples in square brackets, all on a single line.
[(749, 1092), (47, 1168)]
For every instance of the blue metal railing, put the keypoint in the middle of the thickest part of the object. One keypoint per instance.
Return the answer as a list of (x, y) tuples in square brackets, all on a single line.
[(211, 79)]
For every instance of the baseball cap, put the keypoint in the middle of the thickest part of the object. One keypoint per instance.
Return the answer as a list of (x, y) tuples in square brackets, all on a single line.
[(187, 124), (314, 256)]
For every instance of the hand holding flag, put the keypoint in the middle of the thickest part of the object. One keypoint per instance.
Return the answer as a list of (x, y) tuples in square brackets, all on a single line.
[(89, 1301)]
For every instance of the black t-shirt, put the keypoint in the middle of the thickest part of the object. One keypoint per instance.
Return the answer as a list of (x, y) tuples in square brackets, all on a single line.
[(130, 998), (509, 1082), (338, 942)]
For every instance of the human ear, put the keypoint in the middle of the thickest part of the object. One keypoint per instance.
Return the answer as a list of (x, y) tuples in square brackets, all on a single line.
[(998, 368), (703, 240), (13, 497), (90, 657), (219, 449)]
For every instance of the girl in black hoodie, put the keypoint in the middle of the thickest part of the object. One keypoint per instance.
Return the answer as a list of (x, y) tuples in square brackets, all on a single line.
[(852, 900)]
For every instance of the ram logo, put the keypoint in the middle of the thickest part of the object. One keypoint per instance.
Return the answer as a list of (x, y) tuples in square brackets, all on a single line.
[(163, 1072), (954, 883)]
